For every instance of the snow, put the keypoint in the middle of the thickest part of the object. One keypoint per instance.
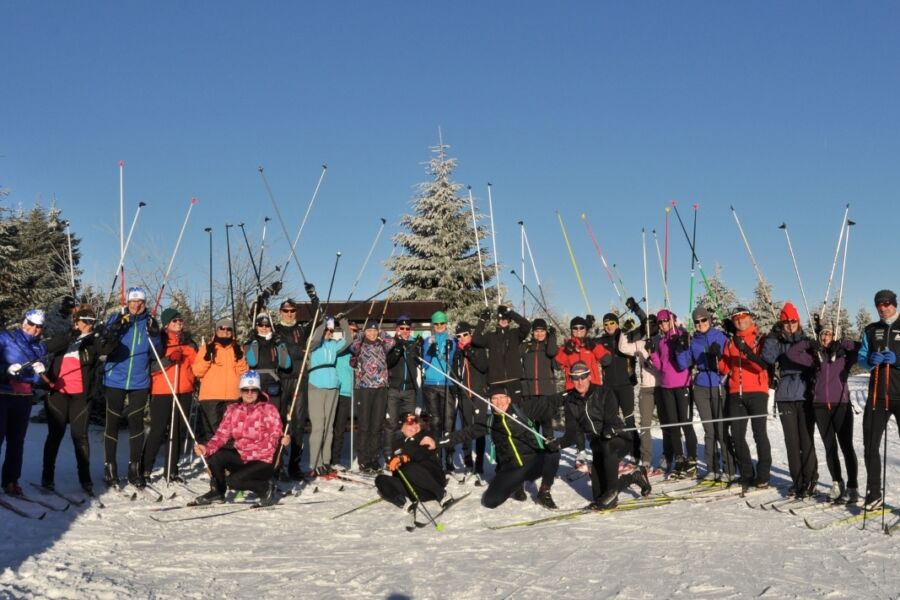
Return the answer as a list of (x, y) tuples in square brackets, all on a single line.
[(719, 549)]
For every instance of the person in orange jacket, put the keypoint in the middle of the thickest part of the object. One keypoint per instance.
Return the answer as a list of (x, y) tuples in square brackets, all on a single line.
[(747, 395), (219, 366), (180, 353)]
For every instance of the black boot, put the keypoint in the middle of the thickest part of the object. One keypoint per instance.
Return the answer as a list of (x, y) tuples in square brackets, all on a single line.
[(135, 476), (545, 499), (47, 478), (110, 474), (639, 478)]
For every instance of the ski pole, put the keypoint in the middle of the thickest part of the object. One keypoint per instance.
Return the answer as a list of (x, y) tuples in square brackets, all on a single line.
[(482, 398), (590, 232), (621, 282), (384, 275), (231, 281), (165, 280), (171, 435), (661, 272), (256, 271), (709, 290), (309, 206), (837, 251), (666, 259), (690, 310), (494, 242), (683, 423), (368, 257), (71, 262), (646, 282), (787, 236), (537, 278), (837, 316), (522, 263), (478, 247), (120, 268), (538, 302), (562, 227), (262, 243), (887, 409), (337, 259), (759, 275), (424, 508), (211, 317)]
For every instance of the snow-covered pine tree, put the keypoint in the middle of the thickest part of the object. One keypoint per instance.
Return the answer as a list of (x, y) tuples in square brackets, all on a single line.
[(725, 297), (439, 259), (765, 310), (863, 318), (846, 325)]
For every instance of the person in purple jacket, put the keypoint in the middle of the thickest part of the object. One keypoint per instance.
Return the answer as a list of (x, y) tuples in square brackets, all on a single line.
[(703, 353), (674, 391), (832, 360)]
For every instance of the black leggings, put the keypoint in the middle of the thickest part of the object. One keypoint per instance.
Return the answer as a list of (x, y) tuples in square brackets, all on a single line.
[(675, 405), (371, 405), (624, 395), (508, 479), (798, 423), (115, 406), (875, 423), (836, 428), (607, 455), (160, 419), (73, 410), (751, 404), (423, 482), (253, 475)]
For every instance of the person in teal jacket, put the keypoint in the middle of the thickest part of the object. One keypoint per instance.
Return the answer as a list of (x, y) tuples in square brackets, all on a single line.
[(345, 396), (126, 373), (324, 386)]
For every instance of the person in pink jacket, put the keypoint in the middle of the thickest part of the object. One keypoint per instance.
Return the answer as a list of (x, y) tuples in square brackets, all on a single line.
[(675, 393), (255, 427)]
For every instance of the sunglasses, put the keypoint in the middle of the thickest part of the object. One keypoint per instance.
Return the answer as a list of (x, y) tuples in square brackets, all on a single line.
[(34, 324), (740, 316), (288, 310), (89, 320), (404, 328), (264, 325), (462, 335), (225, 329), (700, 321), (791, 322), (249, 390), (177, 321), (411, 420), (579, 328), (440, 324), (605, 323), (580, 377), (883, 304)]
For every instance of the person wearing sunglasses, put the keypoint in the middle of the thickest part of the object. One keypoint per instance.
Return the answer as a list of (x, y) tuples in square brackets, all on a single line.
[(403, 368), (241, 453), (180, 353), (502, 344), (268, 355), (324, 386), (539, 389), (74, 369), (413, 462), (21, 369), (342, 422), (439, 351), (126, 374), (703, 355), (470, 366), (878, 354), (618, 376), (747, 395), (370, 350), (794, 401), (219, 365)]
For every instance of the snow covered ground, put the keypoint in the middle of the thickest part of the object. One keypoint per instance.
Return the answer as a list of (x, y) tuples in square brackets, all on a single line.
[(718, 549)]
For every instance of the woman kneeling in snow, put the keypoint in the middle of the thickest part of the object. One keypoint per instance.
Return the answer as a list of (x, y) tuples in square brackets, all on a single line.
[(255, 427)]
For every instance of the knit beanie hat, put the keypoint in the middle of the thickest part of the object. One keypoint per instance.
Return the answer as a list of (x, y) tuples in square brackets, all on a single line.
[(167, 316)]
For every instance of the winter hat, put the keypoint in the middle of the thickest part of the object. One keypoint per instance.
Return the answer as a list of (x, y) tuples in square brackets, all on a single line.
[(418, 414), (788, 313), (85, 313), (250, 380), (577, 321), (579, 369), (289, 303), (886, 297), (225, 322), (700, 313), (167, 316), (438, 317), (463, 327), (136, 293), (372, 324), (35, 316), (404, 320), (263, 319), (740, 310), (610, 317), (539, 324), (664, 315), (498, 389)]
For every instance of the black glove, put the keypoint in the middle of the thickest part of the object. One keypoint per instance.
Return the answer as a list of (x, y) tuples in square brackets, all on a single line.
[(274, 288), (311, 291), (608, 432), (628, 325), (728, 326), (551, 332), (238, 353), (552, 446), (591, 319), (839, 350), (210, 352), (682, 341), (420, 341), (778, 329), (485, 315), (817, 324), (589, 343), (631, 304), (503, 312), (569, 347), (714, 349), (153, 327), (652, 344), (432, 350)]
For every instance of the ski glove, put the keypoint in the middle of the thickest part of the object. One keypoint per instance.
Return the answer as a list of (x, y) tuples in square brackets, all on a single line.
[(589, 343), (714, 349), (552, 446), (311, 291), (14, 369), (887, 357), (875, 359), (176, 355), (591, 319), (238, 353), (39, 368), (210, 353), (432, 351), (728, 326), (485, 315), (397, 461), (569, 347), (609, 432), (153, 327)]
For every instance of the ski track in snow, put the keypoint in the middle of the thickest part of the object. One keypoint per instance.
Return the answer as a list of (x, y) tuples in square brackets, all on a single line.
[(683, 550)]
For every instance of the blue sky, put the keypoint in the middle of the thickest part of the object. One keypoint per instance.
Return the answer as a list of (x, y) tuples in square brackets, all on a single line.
[(785, 110)]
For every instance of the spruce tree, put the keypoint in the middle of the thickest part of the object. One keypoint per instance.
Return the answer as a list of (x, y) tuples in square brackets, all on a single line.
[(724, 298), (863, 318), (439, 259), (764, 308)]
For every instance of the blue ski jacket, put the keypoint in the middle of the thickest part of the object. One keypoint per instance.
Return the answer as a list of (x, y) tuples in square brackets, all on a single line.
[(128, 363), (19, 347), (703, 354)]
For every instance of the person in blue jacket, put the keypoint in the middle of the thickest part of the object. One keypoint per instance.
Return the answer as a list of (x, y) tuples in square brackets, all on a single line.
[(129, 335), (703, 354), (324, 388), (21, 369), (438, 392)]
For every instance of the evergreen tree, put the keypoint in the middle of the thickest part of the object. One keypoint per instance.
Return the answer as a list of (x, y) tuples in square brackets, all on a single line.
[(765, 310), (440, 259), (724, 298), (863, 318), (846, 325)]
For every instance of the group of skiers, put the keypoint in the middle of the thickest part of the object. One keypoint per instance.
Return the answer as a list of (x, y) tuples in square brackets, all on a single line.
[(497, 378)]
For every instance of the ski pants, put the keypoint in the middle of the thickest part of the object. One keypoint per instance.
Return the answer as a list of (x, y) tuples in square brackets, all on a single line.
[(371, 405), (441, 405), (342, 416), (73, 410), (297, 420), (798, 422), (647, 400), (875, 423), (14, 413), (211, 413), (253, 475), (322, 408), (509, 478), (115, 407), (421, 480), (161, 421), (572, 430), (835, 426), (711, 405), (746, 405), (607, 455), (676, 403), (541, 409), (624, 395), (398, 402), (668, 447), (473, 410)]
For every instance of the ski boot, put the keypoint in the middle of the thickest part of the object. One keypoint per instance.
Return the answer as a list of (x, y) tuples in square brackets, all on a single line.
[(836, 494), (545, 499), (519, 495), (136, 476), (110, 474), (640, 478)]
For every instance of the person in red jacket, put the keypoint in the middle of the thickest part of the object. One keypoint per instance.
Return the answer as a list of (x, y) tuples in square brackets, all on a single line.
[(747, 395), (254, 425)]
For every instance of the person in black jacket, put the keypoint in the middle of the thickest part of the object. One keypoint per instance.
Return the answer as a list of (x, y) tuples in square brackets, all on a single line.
[(618, 376), (75, 378), (403, 366), (504, 362), (414, 463), (596, 413), (470, 365), (539, 382)]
